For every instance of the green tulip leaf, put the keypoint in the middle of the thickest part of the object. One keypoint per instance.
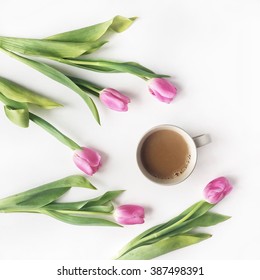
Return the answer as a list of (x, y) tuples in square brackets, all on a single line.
[(210, 219), (78, 207), (206, 220), (102, 202), (71, 206), (94, 32), (12, 103), (43, 198), (54, 131), (79, 220), (107, 66), (59, 77), (41, 47), (19, 93), (48, 189), (106, 208), (19, 117), (120, 23), (103, 199), (163, 246), (15, 111)]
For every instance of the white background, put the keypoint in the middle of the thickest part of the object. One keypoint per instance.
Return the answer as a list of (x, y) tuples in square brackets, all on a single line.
[(211, 49)]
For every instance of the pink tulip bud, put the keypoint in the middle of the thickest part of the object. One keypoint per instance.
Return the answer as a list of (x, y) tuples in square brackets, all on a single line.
[(114, 100), (87, 160), (162, 89), (217, 189), (129, 214)]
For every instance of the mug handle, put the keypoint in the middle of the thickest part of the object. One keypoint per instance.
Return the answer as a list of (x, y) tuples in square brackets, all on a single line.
[(201, 140)]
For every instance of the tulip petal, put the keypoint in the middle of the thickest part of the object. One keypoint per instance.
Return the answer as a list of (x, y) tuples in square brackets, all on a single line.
[(114, 100), (162, 89), (113, 103), (130, 221), (119, 95), (131, 210), (83, 165), (166, 88), (129, 214), (217, 189), (87, 160), (160, 97), (91, 156)]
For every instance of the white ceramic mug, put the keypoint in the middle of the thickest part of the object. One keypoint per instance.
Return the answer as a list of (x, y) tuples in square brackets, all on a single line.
[(192, 142)]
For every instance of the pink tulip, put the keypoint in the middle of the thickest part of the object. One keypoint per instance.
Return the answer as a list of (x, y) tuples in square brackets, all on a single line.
[(87, 160), (114, 100), (129, 214), (217, 189), (162, 89)]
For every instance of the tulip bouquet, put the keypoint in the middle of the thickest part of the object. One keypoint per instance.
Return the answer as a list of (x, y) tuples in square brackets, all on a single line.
[(97, 211), (17, 100), (70, 47), (179, 231)]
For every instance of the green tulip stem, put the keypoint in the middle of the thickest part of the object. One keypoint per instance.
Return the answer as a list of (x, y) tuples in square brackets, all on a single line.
[(87, 86), (54, 131), (42, 211), (94, 89), (82, 212)]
